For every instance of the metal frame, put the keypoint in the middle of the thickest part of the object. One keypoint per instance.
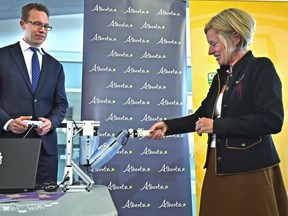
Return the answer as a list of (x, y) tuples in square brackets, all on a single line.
[(87, 128)]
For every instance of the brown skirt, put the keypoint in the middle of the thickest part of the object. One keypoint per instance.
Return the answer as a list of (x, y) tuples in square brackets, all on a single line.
[(259, 193)]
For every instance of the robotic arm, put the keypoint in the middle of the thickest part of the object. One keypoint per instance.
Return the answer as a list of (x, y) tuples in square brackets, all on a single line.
[(110, 148), (99, 158)]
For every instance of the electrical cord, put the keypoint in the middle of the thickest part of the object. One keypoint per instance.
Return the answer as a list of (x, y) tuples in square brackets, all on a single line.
[(28, 131)]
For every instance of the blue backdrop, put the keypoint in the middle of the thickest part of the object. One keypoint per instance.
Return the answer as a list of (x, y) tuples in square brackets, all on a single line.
[(134, 75)]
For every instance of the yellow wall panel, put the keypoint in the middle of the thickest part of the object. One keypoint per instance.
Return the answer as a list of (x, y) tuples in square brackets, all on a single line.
[(270, 40)]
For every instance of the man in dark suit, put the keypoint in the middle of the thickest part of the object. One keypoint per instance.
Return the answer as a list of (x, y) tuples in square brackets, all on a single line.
[(18, 100)]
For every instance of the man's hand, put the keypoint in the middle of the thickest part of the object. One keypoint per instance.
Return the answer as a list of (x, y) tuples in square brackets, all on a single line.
[(17, 125), (45, 127)]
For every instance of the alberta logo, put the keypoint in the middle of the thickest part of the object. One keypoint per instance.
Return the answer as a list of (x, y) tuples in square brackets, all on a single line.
[(176, 204), (130, 204), (113, 186), (210, 77)]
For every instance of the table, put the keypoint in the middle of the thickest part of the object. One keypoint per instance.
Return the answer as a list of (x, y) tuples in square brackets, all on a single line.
[(97, 202)]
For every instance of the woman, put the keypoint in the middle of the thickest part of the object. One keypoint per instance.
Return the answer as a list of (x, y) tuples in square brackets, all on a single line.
[(240, 112)]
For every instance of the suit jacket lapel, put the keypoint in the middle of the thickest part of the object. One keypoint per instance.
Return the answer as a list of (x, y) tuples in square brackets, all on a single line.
[(240, 70), (17, 54)]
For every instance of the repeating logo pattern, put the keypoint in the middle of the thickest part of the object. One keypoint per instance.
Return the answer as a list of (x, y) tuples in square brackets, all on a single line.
[(133, 76)]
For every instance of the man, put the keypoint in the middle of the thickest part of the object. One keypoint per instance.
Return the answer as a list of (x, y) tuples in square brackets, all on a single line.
[(19, 101)]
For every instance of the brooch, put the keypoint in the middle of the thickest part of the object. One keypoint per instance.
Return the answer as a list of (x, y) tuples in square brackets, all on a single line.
[(239, 87)]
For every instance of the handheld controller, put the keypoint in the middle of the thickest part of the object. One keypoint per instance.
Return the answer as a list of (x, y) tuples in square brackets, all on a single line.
[(140, 133), (32, 123)]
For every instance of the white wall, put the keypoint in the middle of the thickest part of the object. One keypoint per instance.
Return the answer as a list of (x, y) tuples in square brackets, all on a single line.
[(64, 42)]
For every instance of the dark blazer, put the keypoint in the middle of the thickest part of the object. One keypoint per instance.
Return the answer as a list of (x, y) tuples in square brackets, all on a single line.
[(252, 110), (17, 98)]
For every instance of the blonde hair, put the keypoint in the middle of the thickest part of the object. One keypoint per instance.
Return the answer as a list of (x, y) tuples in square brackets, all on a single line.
[(232, 20)]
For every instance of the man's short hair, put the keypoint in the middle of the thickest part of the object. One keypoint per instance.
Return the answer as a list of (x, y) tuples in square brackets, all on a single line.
[(37, 6)]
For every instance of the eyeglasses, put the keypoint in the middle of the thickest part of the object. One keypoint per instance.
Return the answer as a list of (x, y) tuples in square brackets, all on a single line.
[(40, 25)]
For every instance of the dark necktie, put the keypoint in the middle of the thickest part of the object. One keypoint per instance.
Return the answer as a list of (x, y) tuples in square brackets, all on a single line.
[(35, 68)]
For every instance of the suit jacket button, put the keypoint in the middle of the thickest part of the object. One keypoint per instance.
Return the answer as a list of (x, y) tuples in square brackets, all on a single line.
[(219, 159), (35, 100), (243, 144)]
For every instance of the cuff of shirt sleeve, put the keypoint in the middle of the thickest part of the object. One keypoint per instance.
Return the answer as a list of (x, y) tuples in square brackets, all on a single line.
[(6, 125)]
